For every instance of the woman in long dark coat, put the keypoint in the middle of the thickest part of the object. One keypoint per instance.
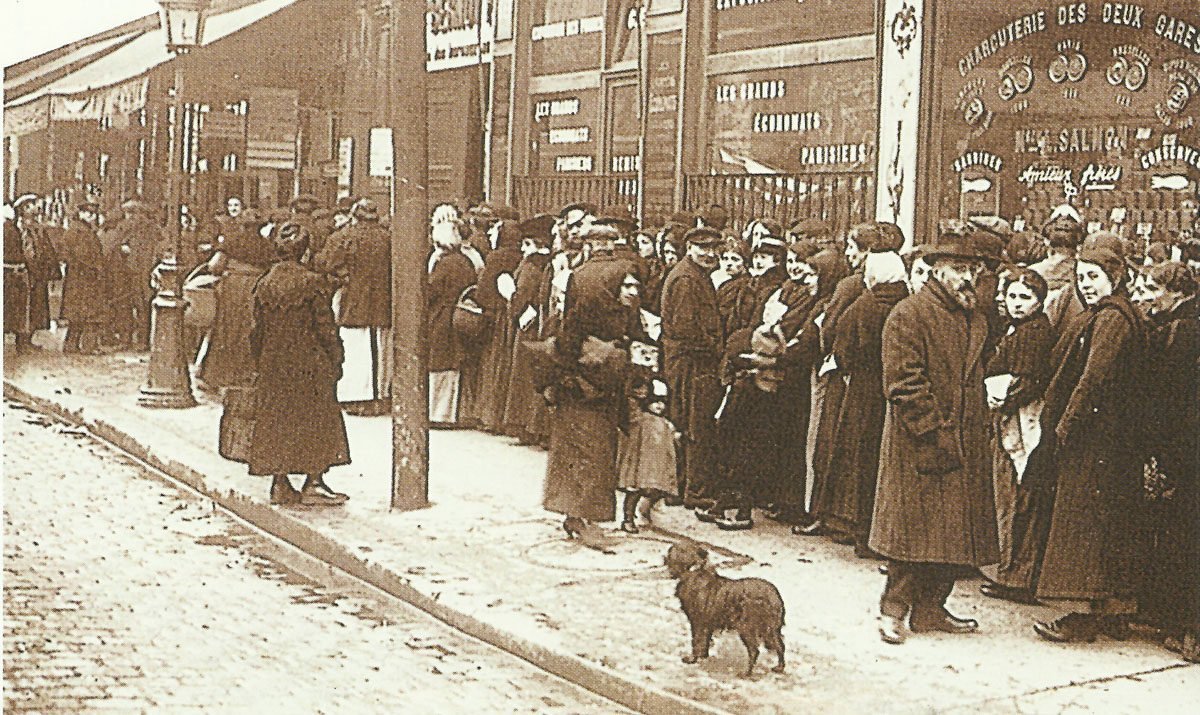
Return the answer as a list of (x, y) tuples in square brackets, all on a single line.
[(85, 288), (298, 425), (581, 473), (858, 349), (761, 431), (450, 274), (242, 258), (496, 288), (522, 399), (1092, 413), (786, 489), (1170, 592)]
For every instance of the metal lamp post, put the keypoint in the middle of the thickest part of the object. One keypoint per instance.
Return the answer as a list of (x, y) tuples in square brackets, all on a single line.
[(168, 384)]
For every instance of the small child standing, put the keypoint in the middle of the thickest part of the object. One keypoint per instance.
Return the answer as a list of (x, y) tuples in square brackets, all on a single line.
[(646, 455)]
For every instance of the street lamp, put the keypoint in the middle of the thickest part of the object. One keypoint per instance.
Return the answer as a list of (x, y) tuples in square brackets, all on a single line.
[(168, 384)]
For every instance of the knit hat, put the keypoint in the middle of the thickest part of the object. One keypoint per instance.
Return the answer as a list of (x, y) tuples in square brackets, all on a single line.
[(1109, 261)]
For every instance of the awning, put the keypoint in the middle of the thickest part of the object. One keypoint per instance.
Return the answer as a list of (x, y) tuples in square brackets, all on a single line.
[(110, 84)]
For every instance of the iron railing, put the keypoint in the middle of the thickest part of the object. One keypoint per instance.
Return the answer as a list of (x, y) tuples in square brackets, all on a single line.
[(843, 199), (533, 195)]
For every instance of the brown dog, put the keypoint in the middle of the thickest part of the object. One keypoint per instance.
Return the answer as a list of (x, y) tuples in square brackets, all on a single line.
[(713, 603)]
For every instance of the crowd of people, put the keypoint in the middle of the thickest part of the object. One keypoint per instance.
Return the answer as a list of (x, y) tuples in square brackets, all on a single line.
[(1025, 403)]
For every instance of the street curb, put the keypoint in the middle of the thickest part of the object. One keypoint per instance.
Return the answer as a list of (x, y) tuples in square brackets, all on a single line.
[(599, 680)]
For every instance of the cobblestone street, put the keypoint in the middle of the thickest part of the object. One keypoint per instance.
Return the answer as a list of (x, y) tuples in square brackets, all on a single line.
[(124, 594)]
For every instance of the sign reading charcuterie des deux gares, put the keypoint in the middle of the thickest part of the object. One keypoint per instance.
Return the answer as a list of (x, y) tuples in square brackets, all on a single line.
[(1092, 103)]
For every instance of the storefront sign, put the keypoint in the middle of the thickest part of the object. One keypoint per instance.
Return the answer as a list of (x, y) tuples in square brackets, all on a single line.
[(750, 24), (567, 35), (561, 123), (573, 135), (380, 152), (345, 162), (564, 164), (662, 124), (793, 130), (1080, 102)]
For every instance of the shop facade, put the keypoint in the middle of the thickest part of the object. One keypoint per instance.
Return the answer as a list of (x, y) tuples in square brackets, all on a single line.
[(1028, 105)]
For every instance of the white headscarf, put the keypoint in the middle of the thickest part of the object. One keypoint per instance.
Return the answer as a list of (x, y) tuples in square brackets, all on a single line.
[(885, 267)]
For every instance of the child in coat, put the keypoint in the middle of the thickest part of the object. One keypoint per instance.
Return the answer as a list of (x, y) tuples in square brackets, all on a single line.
[(646, 455)]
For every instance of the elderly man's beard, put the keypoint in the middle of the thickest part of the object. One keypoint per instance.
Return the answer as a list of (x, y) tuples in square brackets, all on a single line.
[(960, 288)]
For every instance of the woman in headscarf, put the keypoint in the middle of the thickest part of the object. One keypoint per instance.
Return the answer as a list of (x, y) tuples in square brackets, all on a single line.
[(591, 355), (496, 288), (1170, 592), (450, 273), (242, 256), (294, 343), (1092, 410), (522, 399), (858, 350)]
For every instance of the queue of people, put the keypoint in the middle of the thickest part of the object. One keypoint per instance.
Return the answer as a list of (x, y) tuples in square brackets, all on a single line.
[(1022, 404)]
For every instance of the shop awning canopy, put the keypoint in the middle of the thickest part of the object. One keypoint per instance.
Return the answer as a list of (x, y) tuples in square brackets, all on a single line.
[(115, 82)]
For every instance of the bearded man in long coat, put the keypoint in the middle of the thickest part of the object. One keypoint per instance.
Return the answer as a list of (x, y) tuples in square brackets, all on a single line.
[(935, 517), (692, 345)]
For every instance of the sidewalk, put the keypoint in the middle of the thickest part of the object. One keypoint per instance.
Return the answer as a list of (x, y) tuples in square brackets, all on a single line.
[(487, 559)]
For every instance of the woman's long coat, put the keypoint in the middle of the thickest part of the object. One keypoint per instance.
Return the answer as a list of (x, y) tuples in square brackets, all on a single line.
[(858, 349), (85, 299), (298, 425), (933, 381), (452, 273), (1093, 407), (521, 398), (496, 359), (227, 361), (581, 471), (1171, 590)]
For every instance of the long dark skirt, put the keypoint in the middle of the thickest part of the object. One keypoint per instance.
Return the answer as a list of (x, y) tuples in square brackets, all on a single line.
[(496, 366), (581, 473), (830, 496), (470, 388), (228, 362), (787, 482), (1170, 591), (1028, 524), (521, 397), (854, 458)]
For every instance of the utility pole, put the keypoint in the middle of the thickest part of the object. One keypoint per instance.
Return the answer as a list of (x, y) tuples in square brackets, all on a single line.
[(410, 381)]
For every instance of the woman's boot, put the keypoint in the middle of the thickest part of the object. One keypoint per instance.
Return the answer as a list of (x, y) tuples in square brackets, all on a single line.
[(282, 491), (316, 492)]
